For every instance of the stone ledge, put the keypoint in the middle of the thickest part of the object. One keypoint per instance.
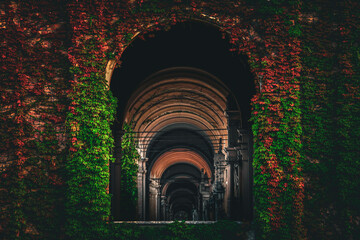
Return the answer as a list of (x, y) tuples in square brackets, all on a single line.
[(167, 222)]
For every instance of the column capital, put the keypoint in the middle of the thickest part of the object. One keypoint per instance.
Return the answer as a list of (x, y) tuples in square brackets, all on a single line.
[(218, 158), (163, 200), (155, 184), (143, 160), (231, 154), (142, 166)]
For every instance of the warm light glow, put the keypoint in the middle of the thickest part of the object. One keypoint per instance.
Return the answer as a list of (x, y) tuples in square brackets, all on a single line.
[(179, 155), (197, 99)]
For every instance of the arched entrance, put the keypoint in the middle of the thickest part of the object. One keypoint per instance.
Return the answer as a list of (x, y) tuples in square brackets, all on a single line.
[(193, 138), (177, 181)]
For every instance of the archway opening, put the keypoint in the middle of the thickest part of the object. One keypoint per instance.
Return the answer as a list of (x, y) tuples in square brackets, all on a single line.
[(180, 196), (189, 44), (188, 100)]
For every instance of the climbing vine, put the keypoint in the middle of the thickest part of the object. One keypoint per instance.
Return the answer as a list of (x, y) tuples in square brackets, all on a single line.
[(32, 116), (56, 138), (129, 168), (317, 119), (91, 112), (273, 49), (278, 180), (348, 113), (329, 119)]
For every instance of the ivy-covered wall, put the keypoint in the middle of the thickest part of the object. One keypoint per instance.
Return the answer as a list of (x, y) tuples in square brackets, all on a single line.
[(129, 169), (91, 112), (56, 110), (34, 79), (330, 118)]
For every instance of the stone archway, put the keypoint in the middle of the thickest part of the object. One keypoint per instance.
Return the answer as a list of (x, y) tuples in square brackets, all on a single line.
[(172, 173), (189, 108), (274, 58), (185, 116)]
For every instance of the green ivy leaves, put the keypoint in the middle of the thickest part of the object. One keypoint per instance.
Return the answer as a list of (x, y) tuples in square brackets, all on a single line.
[(129, 168)]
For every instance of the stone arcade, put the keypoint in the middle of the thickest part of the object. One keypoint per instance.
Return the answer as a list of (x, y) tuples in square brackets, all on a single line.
[(195, 155), (188, 101)]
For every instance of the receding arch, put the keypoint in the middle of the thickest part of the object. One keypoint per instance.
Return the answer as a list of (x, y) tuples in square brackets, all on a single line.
[(237, 67), (181, 98), (179, 95), (176, 156)]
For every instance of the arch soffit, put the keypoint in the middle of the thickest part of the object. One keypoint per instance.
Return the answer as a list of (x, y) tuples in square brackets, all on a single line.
[(176, 172), (143, 101), (213, 133), (156, 115), (150, 131), (204, 87), (179, 155), (177, 123), (204, 106), (188, 111)]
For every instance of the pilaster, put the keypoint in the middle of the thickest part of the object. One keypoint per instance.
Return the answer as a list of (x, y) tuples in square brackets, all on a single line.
[(141, 185)]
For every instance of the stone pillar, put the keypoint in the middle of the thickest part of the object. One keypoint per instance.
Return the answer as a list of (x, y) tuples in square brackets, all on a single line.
[(237, 190), (141, 186), (164, 208), (205, 201), (219, 167), (219, 184), (231, 158), (234, 123), (199, 206), (244, 153), (170, 212), (233, 166), (158, 204), (154, 201)]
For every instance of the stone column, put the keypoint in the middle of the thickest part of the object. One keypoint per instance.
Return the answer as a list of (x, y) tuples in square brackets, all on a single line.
[(237, 189), (233, 124), (205, 201), (163, 208), (219, 184), (158, 203), (219, 167), (244, 153), (199, 206), (231, 158), (141, 186), (170, 212), (154, 201)]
